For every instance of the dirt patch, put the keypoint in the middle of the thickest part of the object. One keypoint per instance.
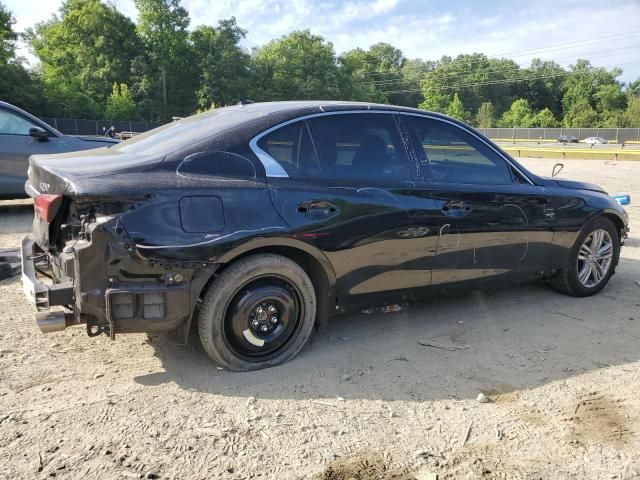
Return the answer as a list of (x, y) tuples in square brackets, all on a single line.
[(365, 467), (601, 418)]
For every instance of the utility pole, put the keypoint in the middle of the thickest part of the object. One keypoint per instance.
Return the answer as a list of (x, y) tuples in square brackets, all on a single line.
[(163, 74)]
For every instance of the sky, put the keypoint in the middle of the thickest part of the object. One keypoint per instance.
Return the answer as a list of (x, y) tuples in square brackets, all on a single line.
[(605, 31)]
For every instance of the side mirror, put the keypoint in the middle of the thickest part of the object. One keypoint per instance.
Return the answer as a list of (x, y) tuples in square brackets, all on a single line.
[(40, 133)]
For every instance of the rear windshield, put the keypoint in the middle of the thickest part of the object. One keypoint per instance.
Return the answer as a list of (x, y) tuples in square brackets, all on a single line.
[(185, 132)]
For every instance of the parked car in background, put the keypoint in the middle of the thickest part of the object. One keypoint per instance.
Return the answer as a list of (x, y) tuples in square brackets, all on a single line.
[(22, 135), (594, 140), (567, 139), (257, 222)]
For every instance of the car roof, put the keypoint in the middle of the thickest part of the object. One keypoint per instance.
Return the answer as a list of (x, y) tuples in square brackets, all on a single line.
[(299, 106)]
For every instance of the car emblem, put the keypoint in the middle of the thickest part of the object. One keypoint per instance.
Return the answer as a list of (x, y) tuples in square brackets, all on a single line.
[(44, 186)]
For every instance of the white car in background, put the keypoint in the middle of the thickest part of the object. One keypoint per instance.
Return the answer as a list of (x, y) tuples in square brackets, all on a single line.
[(594, 140)]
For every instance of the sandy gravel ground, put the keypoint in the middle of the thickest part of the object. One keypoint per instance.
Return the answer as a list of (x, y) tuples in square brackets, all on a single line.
[(364, 400)]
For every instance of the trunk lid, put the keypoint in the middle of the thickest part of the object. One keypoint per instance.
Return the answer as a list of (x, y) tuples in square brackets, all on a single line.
[(77, 176), (72, 173)]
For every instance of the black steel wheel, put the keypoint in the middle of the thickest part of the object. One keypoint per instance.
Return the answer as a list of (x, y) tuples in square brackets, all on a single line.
[(258, 313), (262, 317)]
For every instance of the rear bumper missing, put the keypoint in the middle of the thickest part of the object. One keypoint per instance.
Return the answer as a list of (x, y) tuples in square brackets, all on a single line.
[(41, 295), (130, 297)]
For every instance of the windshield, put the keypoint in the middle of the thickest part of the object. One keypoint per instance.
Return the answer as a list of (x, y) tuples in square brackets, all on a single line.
[(182, 133)]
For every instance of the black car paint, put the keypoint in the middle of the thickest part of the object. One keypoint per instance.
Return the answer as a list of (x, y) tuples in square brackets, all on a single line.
[(15, 150), (121, 227)]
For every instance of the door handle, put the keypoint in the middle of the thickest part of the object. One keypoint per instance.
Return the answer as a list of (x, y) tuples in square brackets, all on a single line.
[(455, 209), (317, 208)]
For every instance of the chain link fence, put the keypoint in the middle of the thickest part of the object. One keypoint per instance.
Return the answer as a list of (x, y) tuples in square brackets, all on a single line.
[(72, 126), (612, 135)]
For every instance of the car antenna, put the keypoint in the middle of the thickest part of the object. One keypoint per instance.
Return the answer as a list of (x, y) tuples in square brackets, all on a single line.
[(245, 101), (557, 168)]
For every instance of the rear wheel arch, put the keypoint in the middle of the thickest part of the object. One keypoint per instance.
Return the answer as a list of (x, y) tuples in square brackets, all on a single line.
[(259, 312), (312, 260)]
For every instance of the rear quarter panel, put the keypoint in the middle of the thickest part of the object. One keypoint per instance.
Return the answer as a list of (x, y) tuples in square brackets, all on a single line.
[(158, 231)]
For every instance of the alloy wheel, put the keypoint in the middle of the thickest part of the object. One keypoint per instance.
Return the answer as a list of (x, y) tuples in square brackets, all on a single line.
[(594, 258)]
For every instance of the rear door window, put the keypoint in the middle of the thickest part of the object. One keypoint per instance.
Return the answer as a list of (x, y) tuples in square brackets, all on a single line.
[(454, 156), (359, 145), (344, 146)]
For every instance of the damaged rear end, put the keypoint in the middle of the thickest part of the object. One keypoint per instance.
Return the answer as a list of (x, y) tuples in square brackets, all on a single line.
[(80, 265)]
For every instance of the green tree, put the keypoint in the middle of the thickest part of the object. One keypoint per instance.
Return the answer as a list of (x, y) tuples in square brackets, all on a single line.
[(7, 36), (545, 119), (372, 72), (120, 105), (631, 117), (476, 78), (17, 84), (357, 79), (612, 119), (634, 88), (580, 114), (413, 72), (519, 115), (485, 118), (543, 85), (297, 66), (610, 97), (167, 76), (224, 65), (83, 50), (456, 108), (583, 82)]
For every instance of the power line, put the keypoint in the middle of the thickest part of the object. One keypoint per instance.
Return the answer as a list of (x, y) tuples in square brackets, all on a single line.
[(588, 40), (501, 81), (507, 69), (521, 53)]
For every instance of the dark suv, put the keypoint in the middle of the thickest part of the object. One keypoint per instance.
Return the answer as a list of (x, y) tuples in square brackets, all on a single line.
[(256, 222)]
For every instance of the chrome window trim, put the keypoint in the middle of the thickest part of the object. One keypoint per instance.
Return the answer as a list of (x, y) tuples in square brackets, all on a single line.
[(274, 169)]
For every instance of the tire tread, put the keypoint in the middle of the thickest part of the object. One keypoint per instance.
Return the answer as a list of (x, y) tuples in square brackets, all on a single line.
[(215, 297)]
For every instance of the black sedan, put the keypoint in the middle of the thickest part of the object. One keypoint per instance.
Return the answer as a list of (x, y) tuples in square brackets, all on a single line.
[(256, 222), (567, 139), (22, 135)]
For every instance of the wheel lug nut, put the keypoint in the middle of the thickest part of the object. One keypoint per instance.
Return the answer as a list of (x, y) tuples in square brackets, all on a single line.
[(274, 320), (255, 323), (264, 328), (259, 310), (272, 309)]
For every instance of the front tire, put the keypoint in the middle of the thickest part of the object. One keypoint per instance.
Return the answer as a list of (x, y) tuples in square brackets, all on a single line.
[(258, 313), (591, 261)]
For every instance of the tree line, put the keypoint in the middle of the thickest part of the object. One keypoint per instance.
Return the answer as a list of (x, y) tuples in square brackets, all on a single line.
[(94, 62)]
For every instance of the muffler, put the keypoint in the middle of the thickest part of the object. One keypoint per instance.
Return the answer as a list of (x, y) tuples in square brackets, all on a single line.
[(53, 321)]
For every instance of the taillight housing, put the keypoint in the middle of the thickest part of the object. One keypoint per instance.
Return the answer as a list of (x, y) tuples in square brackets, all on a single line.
[(46, 206)]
